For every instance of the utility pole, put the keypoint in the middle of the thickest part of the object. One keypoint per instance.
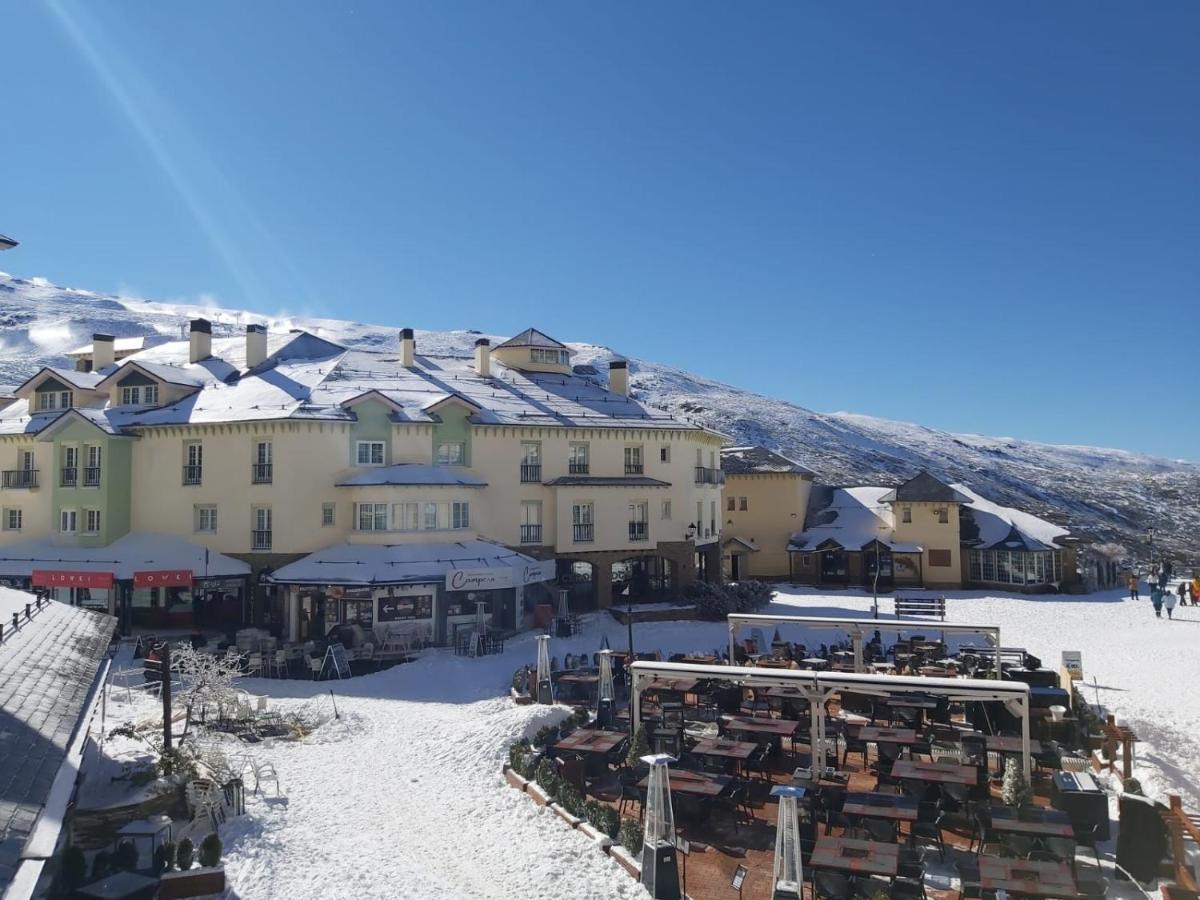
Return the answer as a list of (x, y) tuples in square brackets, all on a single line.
[(875, 582), (165, 657)]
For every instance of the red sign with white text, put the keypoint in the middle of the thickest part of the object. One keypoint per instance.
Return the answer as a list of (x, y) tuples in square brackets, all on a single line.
[(59, 578), (163, 578)]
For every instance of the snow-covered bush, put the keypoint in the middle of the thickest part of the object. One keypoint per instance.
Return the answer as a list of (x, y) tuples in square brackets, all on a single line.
[(570, 799), (714, 601), (1015, 791), (638, 748), (603, 818)]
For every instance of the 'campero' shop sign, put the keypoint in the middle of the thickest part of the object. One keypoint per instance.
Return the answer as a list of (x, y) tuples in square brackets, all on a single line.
[(499, 577)]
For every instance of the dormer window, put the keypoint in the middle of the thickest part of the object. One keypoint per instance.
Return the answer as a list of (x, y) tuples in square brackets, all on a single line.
[(139, 395), (54, 400), (548, 356)]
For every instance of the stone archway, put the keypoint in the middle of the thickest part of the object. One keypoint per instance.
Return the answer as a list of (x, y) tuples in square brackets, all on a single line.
[(647, 579)]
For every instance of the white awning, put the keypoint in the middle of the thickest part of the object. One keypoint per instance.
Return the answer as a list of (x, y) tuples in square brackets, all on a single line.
[(132, 553)]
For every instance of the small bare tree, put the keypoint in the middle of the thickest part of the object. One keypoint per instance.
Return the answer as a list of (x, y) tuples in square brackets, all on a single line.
[(204, 678)]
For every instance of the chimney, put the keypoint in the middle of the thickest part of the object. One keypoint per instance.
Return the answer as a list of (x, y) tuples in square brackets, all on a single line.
[(408, 346), (103, 354), (256, 345), (483, 358), (200, 337), (618, 377)]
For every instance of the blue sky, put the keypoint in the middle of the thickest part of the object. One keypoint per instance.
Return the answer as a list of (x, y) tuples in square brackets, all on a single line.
[(980, 217)]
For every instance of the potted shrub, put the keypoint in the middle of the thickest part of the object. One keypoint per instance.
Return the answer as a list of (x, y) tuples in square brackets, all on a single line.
[(74, 867), (184, 854), (125, 859), (638, 748), (632, 837), (164, 857), (101, 865), (1015, 790), (210, 851)]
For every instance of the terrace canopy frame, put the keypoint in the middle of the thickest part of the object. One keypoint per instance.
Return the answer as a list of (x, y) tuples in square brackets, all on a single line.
[(819, 687), (855, 628)]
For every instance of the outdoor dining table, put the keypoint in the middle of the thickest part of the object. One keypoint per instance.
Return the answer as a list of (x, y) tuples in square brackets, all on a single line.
[(814, 662), (1028, 877), (1007, 743), (590, 740), (937, 671), (703, 660), (903, 736), (859, 857), (772, 662), (697, 784), (1034, 821), (911, 702), (756, 725), (678, 685), (807, 778), (722, 747), (946, 773), (881, 806)]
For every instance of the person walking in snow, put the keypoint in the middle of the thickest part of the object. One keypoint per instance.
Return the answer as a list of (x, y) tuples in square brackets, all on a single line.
[(1182, 591), (1133, 586), (1169, 601), (1156, 598)]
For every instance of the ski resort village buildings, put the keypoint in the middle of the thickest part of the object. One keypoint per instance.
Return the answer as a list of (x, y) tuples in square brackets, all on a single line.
[(293, 483)]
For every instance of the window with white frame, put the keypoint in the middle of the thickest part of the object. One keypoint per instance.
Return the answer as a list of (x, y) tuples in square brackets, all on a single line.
[(371, 516), (206, 518), (743, 503), (131, 395), (547, 356), (452, 453), (633, 460), (406, 516), (369, 453), (430, 518), (460, 515), (731, 503), (261, 517), (578, 459), (666, 510), (91, 521), (68, 521), (328, 511), (149, 394), (12, 520)]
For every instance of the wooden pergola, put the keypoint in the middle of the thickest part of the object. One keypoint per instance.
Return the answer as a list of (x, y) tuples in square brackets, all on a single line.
[(855, 628), (819, 687)]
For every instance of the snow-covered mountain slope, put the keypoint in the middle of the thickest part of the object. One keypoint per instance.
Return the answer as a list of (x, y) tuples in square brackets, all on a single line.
[(1110, 495)]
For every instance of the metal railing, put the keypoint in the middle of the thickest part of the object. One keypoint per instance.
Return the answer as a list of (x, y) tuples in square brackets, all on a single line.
[(531, 534), (639, 531), (531, 472), (21, 478), (634, 468), (578, 468), (192, 474), (584, 534), (261, 540), (705, 475), (261, 473), (91, 476), (68, 476)]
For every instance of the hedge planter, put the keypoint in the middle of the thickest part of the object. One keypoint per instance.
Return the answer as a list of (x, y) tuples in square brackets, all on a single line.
[(192, 883), (534, 790), (602, 839), (625, 860), (514, 779)]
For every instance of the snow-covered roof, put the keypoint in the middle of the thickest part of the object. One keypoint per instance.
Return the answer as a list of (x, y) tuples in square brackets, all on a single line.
[(414, 473), (120, 345), (986, 525), (758, 461), (85, 381), (307, 377), (923, 488), (852, 518), (531, 337), (398, 563), (745, 542), (135, 552)]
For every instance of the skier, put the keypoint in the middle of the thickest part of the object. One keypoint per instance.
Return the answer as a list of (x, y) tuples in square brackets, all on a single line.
[(1156, 597), (1133, 586)]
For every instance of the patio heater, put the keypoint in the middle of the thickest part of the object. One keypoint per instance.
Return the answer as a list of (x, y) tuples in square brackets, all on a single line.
[(660, 868), (605, 702), (789, 871), (545, 688), (480, 637), (564, 614)]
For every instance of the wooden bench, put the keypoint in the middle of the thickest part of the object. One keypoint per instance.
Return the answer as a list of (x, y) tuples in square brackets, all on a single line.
[(928, 607)]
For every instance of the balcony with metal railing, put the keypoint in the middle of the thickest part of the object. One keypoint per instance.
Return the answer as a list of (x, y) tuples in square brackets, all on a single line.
[(20, 479), (634, 468), (531, 534), (192, 474), (91, 476), (261, 540), (639, 531), (68, 476), (531, 472), (575, 467), (261, 473), (583, 534), (706, 475)]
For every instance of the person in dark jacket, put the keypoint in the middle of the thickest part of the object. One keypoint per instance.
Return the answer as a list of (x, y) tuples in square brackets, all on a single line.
[(1156, 598)]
